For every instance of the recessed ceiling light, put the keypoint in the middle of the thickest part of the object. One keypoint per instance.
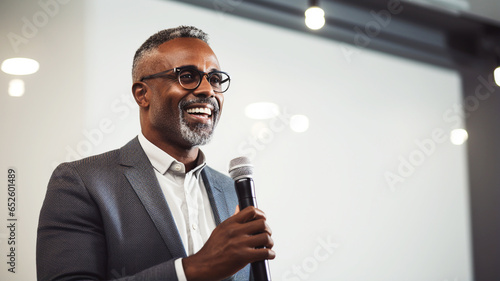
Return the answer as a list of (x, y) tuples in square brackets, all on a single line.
[(20, 66)]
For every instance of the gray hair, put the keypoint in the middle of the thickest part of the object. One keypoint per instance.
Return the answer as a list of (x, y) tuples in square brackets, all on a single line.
[(161, 37)]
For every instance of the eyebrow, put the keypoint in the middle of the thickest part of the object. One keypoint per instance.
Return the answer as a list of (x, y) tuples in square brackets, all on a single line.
[(195, 67)]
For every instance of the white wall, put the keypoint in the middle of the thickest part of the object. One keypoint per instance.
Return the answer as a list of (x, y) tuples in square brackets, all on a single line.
[(36, 127), (369, 113)]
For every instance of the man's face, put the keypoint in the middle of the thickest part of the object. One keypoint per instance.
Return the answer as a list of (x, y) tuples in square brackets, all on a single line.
[(177, 116)]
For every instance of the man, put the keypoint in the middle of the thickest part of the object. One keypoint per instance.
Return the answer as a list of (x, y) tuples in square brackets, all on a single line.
[(153, 210)]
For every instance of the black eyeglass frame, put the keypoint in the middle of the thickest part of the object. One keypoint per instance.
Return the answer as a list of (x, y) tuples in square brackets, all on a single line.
[(202, 74)]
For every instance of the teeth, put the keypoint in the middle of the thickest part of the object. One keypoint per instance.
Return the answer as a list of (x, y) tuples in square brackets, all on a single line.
[(204, 110)]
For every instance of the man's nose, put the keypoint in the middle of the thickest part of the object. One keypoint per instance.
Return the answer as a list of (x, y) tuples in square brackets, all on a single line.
[(205, 88)]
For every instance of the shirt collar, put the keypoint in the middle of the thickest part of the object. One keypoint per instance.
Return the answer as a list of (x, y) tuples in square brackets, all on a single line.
[(163, 162)]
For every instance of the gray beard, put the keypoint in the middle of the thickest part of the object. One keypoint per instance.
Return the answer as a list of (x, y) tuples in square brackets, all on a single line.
[(201, 134), (198, 134)]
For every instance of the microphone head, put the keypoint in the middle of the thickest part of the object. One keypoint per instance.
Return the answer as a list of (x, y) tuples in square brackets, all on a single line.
[(240, 167)]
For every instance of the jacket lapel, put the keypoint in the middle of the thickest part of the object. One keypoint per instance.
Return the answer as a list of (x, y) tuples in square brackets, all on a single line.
[(142, 178), (223, 199), (218, 201)]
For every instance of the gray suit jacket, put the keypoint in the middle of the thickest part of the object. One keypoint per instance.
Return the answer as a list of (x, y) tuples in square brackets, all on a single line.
[(105, 217)]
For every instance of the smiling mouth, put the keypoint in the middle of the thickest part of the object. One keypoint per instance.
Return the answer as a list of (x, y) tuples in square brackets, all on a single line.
[(200, 111)]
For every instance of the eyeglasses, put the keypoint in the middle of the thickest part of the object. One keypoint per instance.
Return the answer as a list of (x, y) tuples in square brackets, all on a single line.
[(190, 78)]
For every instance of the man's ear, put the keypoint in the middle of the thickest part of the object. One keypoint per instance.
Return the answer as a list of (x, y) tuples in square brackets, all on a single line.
[(141, 93)]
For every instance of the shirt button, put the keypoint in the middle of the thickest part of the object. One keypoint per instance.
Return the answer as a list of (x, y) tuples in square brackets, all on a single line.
[(194, 226), (177, 167)]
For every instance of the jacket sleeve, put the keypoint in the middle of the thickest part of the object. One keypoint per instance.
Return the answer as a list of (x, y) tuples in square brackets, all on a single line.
[(71, 241)]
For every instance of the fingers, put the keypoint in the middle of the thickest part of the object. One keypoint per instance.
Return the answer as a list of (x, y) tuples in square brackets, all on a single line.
[(258, 226), (248, 221), (243, 238), (260, 240), (250, 225), (263, 254), (256, 251), (248, 214)]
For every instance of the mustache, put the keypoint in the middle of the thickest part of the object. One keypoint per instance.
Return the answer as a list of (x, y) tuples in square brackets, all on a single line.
[(211, 101)]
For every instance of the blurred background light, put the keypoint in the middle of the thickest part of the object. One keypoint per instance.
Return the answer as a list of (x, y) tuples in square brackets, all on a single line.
[(262, 110), (16, 88), (496, 74), (458, 136), (20, 66), (315, 17), (299, 123)]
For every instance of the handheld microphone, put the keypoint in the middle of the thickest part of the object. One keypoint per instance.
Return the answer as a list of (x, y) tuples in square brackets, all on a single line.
[(241, 171)]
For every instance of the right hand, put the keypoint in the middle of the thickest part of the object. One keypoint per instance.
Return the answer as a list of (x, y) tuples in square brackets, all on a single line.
[(232, 245)]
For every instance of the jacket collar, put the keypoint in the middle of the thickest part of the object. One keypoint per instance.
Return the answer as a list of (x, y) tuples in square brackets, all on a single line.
[(142, 178)]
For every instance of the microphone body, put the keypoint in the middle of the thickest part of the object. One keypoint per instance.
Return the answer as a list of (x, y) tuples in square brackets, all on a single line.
[(245, 189), (241, 170)]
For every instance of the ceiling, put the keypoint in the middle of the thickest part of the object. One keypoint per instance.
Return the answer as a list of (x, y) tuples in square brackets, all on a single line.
[(450, 33), (482, 10)]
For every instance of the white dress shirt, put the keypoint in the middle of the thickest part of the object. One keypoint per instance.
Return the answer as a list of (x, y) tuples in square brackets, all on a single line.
[(186, 197)]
